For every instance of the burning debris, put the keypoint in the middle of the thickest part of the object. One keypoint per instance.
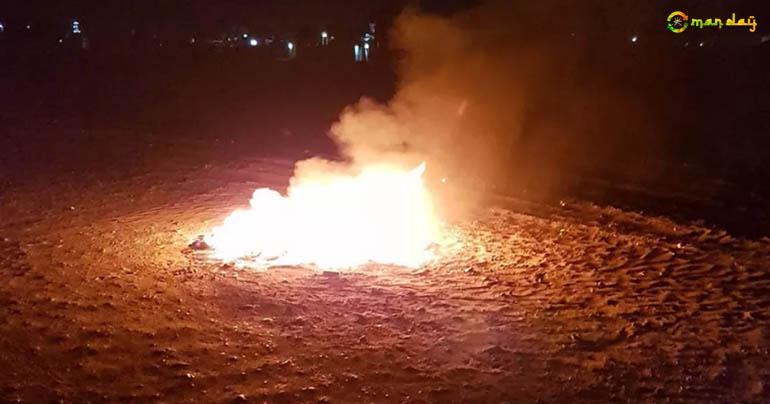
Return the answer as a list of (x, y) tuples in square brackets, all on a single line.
[(488, 115), (200, 244), (335, 220)]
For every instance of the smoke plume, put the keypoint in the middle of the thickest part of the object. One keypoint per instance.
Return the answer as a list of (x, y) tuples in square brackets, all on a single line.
[(505, 96)]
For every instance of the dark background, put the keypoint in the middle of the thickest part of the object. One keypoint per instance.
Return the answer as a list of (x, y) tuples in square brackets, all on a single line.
[(66, 108)]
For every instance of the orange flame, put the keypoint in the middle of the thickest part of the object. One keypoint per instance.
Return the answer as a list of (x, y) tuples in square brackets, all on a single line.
[(382, 215)]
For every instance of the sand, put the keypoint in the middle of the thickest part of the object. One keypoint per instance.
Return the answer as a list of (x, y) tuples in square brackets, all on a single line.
[(102, 301)]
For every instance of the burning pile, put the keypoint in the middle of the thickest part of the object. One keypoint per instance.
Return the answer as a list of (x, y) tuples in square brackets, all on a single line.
[(380, 214), (458, 105)]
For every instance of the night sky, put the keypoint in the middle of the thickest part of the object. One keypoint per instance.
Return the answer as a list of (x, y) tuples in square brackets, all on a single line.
[(171, 17)]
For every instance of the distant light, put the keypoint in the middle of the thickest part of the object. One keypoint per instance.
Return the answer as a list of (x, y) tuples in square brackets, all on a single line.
[(76, 27), (700, 44), (61, 40), (324, 34), (290, 45), (443, 180), (357, 52), (366, 52), (29, 27), (245, 36), (192, 40), (2, 27), (634, 38), (253, 42)]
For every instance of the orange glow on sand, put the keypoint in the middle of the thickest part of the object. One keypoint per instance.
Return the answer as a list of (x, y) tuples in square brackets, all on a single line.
[(381, 214)]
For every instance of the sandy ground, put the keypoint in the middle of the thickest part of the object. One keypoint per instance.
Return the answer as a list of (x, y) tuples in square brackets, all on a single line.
[(101, 301)]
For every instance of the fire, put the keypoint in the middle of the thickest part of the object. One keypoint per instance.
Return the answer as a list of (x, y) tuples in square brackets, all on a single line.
[(381, 214)]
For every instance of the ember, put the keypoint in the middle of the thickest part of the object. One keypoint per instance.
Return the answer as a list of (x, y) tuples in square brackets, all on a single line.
[(200, 243)]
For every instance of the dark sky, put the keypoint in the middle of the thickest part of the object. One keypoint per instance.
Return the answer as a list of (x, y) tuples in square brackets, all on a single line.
[(180, 14), (206, 10), (166, 17), (176, 16)]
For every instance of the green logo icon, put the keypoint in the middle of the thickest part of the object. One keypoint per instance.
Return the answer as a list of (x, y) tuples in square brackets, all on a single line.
[(677, 22)]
